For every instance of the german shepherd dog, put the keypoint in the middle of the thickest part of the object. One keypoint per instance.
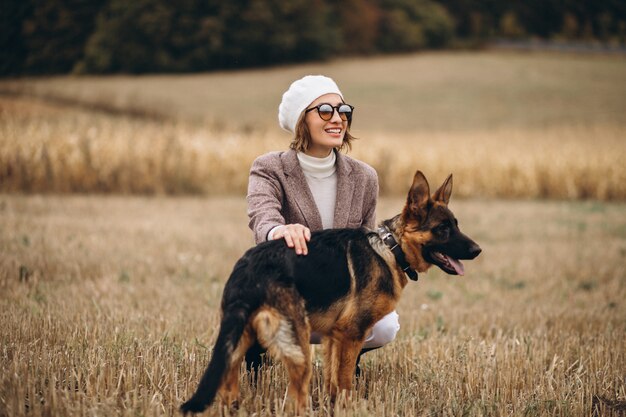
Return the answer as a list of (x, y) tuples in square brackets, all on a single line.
[(349, 280)]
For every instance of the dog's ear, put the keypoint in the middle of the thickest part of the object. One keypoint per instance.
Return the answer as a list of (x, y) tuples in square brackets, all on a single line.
[(444, 192), (418, 198)]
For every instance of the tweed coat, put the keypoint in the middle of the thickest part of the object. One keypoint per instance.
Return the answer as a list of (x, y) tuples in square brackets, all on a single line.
[(279, 194)]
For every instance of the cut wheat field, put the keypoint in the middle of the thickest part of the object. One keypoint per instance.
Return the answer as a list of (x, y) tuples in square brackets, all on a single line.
[(109, 306)]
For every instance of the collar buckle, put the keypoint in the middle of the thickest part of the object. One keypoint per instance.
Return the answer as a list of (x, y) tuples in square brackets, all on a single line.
[(393, 245)]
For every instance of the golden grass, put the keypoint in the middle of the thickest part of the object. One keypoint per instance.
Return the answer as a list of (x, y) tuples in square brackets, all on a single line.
[(511, 125), (45, 148), (423, 92), (109, 306)]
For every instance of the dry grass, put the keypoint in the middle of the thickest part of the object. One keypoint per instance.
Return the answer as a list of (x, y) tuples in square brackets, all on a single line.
[(511, 125), (422, 92), (45, 148), (109, 306)]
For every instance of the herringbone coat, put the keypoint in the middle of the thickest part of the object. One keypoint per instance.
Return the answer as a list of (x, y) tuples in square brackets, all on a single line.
[(279, 194)]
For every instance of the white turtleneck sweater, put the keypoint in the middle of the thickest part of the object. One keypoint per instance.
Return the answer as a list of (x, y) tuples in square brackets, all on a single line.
[(321, 176), (322, 179)]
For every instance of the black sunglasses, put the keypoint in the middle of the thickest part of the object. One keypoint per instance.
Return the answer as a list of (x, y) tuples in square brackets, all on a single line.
[(326, 111)]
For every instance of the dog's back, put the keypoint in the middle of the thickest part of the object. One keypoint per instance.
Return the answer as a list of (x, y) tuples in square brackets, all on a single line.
[(321, 277)]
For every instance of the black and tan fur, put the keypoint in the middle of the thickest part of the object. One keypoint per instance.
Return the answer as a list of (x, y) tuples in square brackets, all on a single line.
[(347, 282)]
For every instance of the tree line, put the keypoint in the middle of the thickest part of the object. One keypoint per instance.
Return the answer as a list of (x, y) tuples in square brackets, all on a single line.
[(138, 36)]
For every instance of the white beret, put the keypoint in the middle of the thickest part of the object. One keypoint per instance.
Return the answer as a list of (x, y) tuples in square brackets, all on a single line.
[(300, 94)]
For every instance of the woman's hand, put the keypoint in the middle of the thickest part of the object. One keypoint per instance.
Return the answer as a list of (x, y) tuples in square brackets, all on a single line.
[(295, 235)]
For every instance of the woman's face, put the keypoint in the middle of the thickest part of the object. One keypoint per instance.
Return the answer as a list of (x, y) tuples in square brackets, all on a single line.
[(325, 135)]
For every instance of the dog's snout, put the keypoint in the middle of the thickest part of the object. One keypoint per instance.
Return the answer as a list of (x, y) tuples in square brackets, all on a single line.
[(474, 250)]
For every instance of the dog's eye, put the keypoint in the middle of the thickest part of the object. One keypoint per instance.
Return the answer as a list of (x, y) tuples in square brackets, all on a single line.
[(442, 229)]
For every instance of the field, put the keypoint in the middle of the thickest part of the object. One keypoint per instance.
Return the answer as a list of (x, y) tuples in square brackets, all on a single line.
[(122, 212), (109, 306), (511, 125)]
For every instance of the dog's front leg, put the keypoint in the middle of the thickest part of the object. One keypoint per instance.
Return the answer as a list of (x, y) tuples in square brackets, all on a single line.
[(330, 363), (340, 354), (350, 349)]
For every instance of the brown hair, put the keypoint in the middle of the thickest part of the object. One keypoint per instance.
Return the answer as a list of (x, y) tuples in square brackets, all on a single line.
[(302, 139)]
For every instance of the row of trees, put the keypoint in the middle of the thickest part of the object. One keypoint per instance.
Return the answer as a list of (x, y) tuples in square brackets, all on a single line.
[(104, 36), (587, 20)]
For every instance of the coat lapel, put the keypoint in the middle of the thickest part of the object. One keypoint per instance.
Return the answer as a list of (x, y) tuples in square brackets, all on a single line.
[(297, 186), (345, 190)]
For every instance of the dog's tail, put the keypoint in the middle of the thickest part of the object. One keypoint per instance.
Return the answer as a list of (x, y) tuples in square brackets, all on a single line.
[(232, 327)]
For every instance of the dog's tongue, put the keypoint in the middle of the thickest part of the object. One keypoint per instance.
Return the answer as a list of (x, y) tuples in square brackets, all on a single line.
[(457, 265)]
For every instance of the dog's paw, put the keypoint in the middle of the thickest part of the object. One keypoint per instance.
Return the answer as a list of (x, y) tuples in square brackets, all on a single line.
[(192, 406)]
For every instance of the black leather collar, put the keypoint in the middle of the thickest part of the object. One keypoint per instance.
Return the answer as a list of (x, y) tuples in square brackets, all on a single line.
[(387, 237)]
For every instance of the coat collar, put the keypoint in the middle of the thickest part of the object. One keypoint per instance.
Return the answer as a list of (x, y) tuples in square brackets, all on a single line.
[(345, 191), (298, 186)]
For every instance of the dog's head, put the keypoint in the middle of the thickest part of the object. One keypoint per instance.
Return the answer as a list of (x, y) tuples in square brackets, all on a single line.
[(430, 233)]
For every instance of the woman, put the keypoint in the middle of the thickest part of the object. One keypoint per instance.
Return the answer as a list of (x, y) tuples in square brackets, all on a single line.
[(312, 186)]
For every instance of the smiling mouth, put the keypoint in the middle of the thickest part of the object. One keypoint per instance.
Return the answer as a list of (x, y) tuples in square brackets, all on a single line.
[(447, 263), (333, 131)]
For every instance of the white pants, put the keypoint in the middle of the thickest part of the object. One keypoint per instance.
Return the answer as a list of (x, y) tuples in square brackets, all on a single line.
[(383, 332)]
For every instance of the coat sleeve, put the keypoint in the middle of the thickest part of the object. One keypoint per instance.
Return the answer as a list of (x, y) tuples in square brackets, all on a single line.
[(370, 199), (265, 198)]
